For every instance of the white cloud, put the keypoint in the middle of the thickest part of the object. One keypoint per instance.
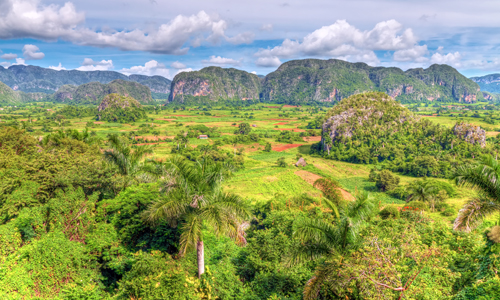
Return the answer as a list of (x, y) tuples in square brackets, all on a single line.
[(32, 19), (416, 54), (154, 68), (253, 72), (57, 68), (178, 65), (19, 61), (452, 59), (9, 56), (342, 40), (221, 61), (267, 27), (89, 64), (32, 52), (268, 62)]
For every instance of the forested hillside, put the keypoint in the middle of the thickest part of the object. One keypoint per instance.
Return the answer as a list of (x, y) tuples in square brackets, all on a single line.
[(374, 128), (37, 79), (308, 80), (214, 83), (94, 92)]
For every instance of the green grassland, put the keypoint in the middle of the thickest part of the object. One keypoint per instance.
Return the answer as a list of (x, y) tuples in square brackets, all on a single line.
[(260, 179)]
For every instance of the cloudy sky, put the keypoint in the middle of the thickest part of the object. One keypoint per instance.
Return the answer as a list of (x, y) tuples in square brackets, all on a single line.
[(159, 37)]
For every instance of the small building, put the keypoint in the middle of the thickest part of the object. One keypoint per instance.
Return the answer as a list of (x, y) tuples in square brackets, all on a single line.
[(203, 137)]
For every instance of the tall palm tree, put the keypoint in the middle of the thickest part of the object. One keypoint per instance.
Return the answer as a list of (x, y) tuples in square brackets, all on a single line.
[(129, 161), (484, 178), (194, 198), (323, 239)]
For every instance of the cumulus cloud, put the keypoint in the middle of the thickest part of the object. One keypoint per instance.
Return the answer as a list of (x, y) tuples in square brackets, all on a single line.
[(32, 52), (268, 61), (19, 61), (32, 19), (221, 61), (57, 68), (452, 59), (155, 68), (9, 56), (89, 64), (416, 54), (343, 40), (178, 65)]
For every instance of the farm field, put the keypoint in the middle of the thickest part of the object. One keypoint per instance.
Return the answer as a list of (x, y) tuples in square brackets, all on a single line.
[(260, 179)]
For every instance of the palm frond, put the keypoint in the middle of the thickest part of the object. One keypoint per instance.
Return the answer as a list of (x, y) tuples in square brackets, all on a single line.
[(169, 208), (191, 233), (474, 212)]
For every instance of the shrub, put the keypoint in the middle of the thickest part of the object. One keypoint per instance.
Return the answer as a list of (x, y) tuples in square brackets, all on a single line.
[(281, 162), (386, 181), (389, 212), (448, 212)]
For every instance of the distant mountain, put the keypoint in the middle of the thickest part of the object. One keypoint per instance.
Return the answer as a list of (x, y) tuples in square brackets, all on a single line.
[(214, 83), (95, 92), (37, 79), (488, 83), (332, 80)]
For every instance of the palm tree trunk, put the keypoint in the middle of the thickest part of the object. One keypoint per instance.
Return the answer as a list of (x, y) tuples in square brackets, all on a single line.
[(201, 258)]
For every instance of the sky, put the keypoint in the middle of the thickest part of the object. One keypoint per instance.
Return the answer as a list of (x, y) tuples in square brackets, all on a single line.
[(160, 37)]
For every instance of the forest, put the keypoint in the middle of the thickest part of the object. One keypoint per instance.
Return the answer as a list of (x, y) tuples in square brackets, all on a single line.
[(368, 199)]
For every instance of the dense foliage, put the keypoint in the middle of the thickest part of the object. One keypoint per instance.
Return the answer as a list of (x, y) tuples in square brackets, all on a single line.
[(373, 128)]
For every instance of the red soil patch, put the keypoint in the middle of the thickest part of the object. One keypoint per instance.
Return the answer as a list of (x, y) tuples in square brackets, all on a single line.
[(98, 122), (311, 178), (183, 116), (281, 123), (166, 119), (32, 120), (290, 106), (311, 138), (279, 119), (286, 147), (291, 129)]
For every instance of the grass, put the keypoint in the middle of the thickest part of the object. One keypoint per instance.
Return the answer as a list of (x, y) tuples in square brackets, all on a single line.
[(261, 180)]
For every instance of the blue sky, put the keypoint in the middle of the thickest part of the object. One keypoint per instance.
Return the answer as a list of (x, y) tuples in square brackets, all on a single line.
[(157, 37)]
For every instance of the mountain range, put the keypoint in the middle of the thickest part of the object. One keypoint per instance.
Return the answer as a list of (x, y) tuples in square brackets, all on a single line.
[(31, 79), (311, 80), (296, 81)]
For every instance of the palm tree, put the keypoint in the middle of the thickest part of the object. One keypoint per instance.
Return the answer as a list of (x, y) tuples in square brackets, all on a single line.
[(322, 239), (194, 198), (484, 178), (421, 190), (128, 161)]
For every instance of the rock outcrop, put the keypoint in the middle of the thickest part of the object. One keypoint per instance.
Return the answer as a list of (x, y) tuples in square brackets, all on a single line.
[(472, 134), (332, 80), (214, 83)]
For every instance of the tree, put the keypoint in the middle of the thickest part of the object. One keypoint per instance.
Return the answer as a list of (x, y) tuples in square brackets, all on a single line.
[(281, 162), (128, 161), (320, 238), (421, 190), (483, 177), (268, 147), (244, 128), (386, 181), (193, 197)]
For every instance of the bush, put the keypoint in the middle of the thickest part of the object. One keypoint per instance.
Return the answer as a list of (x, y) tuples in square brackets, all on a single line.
[(448, 212), (389, 212), (281, 162), (386, 181), (418, 204)]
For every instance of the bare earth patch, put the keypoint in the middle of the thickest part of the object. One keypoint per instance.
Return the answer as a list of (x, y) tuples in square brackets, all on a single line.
[(281, 123), (286, 147), (311, 138), (154, 138), (311, 178), (98, 122), (166, 119)]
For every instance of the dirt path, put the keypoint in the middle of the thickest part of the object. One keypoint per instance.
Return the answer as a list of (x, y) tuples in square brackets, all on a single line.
[(311, 178)]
